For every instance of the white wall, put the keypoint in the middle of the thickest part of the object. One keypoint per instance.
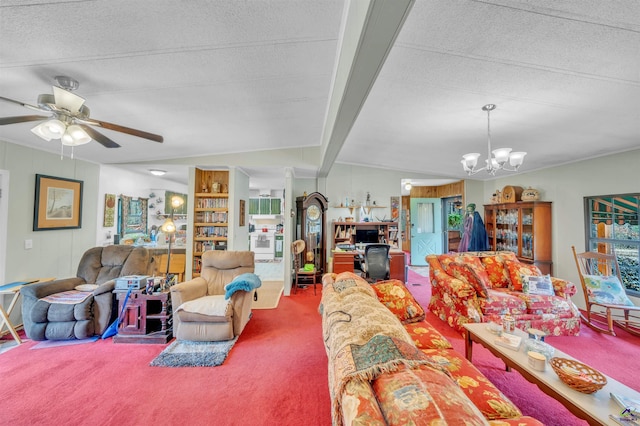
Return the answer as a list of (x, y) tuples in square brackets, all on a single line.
[(114, 180), (566, 186)]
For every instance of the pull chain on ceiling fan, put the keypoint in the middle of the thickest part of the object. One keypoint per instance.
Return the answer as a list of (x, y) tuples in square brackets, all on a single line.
[(69, 118)]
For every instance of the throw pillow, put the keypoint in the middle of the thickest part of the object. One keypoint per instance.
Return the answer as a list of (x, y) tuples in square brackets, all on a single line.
[(468, 274), (516, 270), (397, 298), (540, 285), (424, 396), (606, 289), (496, 270), (425, 336)]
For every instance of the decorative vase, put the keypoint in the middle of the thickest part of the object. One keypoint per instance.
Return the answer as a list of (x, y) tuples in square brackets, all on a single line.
[(530, 194)]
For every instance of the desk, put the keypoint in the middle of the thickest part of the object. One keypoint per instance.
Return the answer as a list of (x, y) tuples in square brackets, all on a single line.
[(343, 262), (14, 290)]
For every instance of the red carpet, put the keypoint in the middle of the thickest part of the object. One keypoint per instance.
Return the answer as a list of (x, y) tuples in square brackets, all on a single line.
[(276, 374)]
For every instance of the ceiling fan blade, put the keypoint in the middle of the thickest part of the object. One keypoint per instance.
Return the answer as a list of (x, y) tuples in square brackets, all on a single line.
[(21, 119), (99, 137), (128, 130), (33, 107)]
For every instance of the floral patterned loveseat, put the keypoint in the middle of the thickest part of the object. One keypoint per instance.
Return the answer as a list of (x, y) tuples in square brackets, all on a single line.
[(484, 286), (388, 365)]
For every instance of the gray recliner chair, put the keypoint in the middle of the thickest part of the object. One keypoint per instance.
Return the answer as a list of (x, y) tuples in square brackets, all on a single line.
[(61, 321)]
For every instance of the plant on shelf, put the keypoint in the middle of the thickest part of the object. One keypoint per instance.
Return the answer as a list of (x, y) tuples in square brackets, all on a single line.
[(454, 220)]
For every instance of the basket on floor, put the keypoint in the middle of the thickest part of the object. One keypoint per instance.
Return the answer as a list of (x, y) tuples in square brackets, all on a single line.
[(577, 375)]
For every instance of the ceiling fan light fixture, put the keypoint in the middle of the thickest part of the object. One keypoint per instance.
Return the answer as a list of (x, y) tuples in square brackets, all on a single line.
[(75, 135), (157, 172), (51, 129), (498, 159), (67, 100)]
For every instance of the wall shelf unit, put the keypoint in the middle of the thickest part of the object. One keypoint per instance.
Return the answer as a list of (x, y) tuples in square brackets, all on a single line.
[(210, 214), (523, 228), (345, 232)]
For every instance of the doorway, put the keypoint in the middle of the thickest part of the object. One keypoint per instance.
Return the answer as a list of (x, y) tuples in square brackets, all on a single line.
[(426, 229), (453, 218)]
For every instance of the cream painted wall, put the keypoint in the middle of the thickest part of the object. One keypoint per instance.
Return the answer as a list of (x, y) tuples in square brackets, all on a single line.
[(23, 164), (566, 186), (353, 182), (238, 190)]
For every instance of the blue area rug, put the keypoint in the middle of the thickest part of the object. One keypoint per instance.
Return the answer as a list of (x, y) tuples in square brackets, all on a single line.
[(185, 353), (57, 343)]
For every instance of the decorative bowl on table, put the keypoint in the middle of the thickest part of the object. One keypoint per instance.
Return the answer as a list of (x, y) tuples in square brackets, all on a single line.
[(541, 347), (577, 375)]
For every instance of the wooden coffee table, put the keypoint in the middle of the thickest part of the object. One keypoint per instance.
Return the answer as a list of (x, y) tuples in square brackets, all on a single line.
[(594, 408)]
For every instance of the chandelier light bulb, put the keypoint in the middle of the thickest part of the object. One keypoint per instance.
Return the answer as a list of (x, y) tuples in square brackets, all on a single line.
[(498, 159)]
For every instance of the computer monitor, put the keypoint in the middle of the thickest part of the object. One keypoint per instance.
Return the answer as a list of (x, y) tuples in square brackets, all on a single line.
[(366, 236)]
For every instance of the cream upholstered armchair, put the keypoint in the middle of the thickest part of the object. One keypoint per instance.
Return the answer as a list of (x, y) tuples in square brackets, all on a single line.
[(47, 317), (200, 310)]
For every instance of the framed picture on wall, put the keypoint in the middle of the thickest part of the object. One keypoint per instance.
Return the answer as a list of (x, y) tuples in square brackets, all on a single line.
[(58, 203), (241, 221), (109, 210)]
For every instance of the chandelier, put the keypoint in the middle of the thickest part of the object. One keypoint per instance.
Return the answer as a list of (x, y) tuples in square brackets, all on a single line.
[(502, 157)]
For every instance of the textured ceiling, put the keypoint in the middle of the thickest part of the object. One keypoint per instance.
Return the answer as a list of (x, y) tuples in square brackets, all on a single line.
[(223, 79)]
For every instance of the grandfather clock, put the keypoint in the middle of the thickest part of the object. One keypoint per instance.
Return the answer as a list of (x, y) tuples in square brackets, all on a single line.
[(310, 227)]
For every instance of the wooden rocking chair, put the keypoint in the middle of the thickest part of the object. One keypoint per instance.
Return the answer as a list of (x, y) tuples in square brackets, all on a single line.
[(596, 264)]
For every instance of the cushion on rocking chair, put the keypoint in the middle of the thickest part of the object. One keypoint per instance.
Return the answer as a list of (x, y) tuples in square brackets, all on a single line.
[(606, 289)]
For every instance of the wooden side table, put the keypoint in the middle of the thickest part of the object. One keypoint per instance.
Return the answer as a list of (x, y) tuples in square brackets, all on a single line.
[(147, 317), (14, 289)]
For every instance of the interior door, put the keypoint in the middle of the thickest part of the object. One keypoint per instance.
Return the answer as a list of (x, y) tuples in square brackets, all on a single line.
[(426, 229)]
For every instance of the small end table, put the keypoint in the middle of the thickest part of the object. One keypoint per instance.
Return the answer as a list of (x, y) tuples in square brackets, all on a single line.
[(147, 317)]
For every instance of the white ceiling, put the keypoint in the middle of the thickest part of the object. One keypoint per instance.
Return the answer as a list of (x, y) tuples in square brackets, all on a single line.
[(222, 80)]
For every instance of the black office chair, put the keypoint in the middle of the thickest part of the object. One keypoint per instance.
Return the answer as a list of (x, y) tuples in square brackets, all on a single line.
[(377, 263)]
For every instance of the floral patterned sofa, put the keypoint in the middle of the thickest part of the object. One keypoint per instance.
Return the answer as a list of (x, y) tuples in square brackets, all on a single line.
[(388, 366), (484, 286)]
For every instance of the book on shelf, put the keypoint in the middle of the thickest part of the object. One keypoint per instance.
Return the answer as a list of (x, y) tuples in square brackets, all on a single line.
[(510, 341)]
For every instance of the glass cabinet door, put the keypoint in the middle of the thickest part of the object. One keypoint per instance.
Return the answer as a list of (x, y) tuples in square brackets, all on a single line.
[(507, 221), (527, 233)]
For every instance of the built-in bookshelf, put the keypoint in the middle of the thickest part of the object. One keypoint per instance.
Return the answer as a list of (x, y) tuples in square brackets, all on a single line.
[(210, 215)]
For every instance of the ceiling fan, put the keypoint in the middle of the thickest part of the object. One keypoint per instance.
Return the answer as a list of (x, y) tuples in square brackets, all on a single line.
[(69, 118)]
